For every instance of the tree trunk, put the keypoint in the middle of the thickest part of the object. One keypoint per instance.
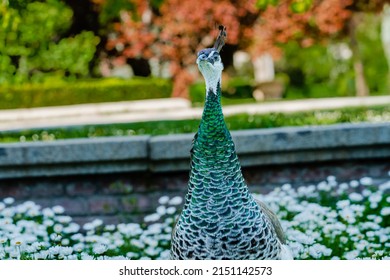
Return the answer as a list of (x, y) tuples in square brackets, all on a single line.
[(360, 80), (385, 35)]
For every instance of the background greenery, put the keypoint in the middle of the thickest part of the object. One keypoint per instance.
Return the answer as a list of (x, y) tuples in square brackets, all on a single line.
[(318, 71), (34, 47), (51, 54), (83, 91)]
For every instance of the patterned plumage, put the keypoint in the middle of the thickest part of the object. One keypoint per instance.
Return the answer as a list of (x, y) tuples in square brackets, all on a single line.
[(220, 218)]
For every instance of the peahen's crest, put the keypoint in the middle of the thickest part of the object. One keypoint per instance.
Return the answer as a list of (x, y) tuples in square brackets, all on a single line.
[(220, 218)]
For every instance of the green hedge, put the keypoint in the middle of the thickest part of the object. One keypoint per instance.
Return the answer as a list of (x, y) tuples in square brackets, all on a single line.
[(86, 91), (235, 91)]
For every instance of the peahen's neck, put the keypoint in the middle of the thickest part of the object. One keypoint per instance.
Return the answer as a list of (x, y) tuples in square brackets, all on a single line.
[(213, 123), (212, 151)]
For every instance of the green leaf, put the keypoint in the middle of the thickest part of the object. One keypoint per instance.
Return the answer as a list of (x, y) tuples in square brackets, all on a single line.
[(301, 6), (263, 4)]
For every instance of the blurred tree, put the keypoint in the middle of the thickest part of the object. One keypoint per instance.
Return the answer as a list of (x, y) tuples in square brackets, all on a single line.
[(173, 31), (373, 54), (385, 35), (32, 46), (315, 21)]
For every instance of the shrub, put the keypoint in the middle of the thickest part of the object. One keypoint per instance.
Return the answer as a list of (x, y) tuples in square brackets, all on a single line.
[(32, 43), (86, 91), (236, 90)]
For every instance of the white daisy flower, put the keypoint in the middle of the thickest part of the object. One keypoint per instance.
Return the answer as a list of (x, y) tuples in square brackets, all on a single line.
[(63, 219), (344, 239), (66, 251), (385, 211), (99, 249), (47, 212), (285, 187), (41, 255), (163, 200), (58, 209), (79, 247), (367, 181), (342, 204), (55, 250), (382, 187), (97, 223), (9, 200), (171, 210), (72, 257), (354, 184), (324, 186), (343, 186), (161, 210), (88, 226), (131, 255), (351, 255), (109, 227), (152, 218), (65, 242), (137, 243), (165, 255), (375, 197), (177, 200), (85, 256), (366, 193), (58, 228), (356, 197), (331, 178)]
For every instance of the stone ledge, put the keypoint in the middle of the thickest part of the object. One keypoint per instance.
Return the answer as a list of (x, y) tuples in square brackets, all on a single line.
[(171, 152), (74, 151), (74, 157)]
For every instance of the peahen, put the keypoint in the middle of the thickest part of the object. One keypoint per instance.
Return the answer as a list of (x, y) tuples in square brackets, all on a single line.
[(220, 218)]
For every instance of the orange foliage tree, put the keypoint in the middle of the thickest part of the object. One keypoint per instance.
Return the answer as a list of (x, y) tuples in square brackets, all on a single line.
[(177, 29)]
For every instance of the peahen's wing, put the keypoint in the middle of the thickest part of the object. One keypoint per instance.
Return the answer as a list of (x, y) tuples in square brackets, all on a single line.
[(191, 153), (273, 220), (271, 217)]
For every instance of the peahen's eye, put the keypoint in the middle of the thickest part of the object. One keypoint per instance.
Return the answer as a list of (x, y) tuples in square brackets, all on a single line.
[(201, 55), (216, 56)]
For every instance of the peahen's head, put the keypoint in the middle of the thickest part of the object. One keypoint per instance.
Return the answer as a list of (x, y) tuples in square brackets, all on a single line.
[(210, 63)]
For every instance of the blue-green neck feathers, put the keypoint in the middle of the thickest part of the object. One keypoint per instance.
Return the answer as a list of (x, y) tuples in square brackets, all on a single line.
[(212, 128), (214, 162)]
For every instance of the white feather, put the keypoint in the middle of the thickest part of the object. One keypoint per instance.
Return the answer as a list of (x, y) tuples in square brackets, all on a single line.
[(285, 253), (211, 72)]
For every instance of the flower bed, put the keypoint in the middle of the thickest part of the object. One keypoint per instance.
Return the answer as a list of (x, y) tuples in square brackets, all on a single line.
[(328, 221)]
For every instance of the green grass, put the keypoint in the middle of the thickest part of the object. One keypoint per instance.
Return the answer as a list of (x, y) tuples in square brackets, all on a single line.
[(236, 122)]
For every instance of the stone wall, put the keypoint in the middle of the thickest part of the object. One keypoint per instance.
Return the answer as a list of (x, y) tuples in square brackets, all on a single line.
[(121, 179)]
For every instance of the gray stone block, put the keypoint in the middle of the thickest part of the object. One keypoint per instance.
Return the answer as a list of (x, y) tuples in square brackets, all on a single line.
[(74, 151), (169, 153), (170, 147), (315, 137), (74, 157)]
